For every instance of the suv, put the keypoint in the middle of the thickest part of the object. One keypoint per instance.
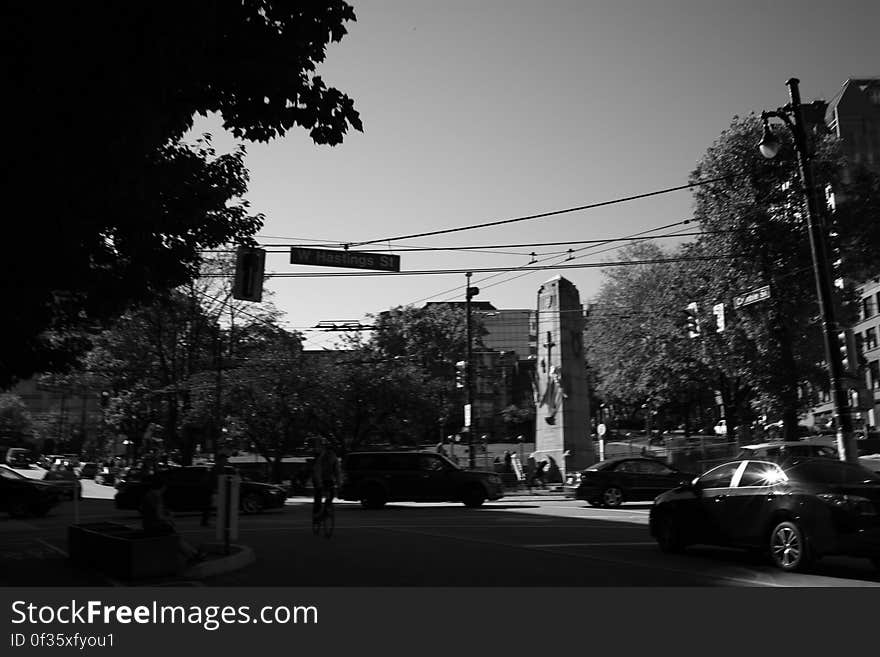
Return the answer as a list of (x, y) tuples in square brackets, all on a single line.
[(374, 478)]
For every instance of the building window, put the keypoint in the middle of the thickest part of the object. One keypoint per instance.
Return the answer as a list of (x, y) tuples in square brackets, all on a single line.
[(866, 307), (874, 370), (871, 338)]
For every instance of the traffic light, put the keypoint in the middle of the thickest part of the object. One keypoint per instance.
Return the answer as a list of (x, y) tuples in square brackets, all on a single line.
[(718, 311), (472, 292), (459, 374), (692, 322), (250, 264), (846, 342)]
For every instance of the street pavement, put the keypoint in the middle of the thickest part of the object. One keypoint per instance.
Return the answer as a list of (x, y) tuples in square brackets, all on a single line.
[(521, 540)]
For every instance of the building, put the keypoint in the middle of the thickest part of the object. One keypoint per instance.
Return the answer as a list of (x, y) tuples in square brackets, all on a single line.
[(503, 367), (853, 115)]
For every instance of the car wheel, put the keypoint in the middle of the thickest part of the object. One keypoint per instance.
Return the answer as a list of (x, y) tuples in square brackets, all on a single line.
[(788, 547), (373, 498), (251, 503), (474, 497), (668, 535), (612, 497)]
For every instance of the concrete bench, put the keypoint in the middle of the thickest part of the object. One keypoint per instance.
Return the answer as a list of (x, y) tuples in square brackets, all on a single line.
[(122, 551)]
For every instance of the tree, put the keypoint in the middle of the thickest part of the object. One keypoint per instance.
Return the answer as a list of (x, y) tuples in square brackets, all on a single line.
[(271, 393), (16, 425), (433, 337), (636, 340), (100, 183), (756, 218)]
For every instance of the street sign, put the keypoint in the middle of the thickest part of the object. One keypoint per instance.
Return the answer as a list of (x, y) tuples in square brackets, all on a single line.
[(467, 415), (761, 294), (350, 259), (601, 429)]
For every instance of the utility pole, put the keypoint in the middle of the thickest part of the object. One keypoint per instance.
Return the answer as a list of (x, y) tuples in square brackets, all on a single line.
[(469, 373), (792, 116)]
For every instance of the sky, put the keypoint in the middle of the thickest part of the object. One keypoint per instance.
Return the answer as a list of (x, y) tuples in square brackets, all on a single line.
[(478, 111)]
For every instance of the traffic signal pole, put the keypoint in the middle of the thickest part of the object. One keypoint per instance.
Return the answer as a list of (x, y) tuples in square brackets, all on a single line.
[(469, 378)]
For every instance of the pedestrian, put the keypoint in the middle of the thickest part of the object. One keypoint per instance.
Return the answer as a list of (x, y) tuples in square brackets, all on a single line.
[(158, 522), (538, 477)]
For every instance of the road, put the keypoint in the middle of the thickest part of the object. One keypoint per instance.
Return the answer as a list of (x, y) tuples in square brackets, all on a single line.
[(518, 541)]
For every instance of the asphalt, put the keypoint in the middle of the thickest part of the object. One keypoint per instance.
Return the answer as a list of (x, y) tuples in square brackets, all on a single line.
[(33, 561)]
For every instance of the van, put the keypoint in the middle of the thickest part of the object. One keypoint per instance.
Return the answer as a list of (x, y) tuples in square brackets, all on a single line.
[(374, 478)]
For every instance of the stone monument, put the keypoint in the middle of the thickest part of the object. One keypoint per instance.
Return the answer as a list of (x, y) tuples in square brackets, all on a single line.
[(562, 422)]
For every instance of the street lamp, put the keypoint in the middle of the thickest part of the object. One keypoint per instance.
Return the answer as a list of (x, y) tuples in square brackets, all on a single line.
[(469, 372), (792, 116)]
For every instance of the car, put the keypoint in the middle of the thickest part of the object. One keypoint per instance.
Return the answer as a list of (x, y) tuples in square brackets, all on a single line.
[(778, 452), (21, 496), (87, 470), (375, 478), (795, 512), (185, 491), (18, 457), (623, 479), (64, 479)]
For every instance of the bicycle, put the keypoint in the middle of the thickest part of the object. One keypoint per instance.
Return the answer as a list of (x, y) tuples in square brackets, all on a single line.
[(325, 522)]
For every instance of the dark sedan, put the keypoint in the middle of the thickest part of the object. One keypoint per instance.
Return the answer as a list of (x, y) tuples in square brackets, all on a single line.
[(21, 497), (795, 512), (625, 479), (186, 490)]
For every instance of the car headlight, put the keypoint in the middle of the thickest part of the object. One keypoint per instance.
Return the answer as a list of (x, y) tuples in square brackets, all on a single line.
[(855, 503)]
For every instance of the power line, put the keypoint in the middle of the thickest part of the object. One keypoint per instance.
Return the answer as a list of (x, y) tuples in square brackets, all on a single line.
[(427, 272), (552, 213)]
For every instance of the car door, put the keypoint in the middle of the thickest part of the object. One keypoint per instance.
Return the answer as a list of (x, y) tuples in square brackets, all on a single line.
[(434, 478), (714, 492), (751, 500), (400, 473), (625, 475)]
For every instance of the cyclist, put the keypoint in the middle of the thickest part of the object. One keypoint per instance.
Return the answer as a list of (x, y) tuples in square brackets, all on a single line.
[(326, 474)]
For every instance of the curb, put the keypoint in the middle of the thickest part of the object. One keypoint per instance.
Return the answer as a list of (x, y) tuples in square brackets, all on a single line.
[(240, 557)]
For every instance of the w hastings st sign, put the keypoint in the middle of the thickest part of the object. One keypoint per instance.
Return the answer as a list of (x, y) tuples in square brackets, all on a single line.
[(351, 259)]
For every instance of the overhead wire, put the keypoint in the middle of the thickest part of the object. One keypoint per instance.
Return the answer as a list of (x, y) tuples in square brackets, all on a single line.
[(551, 213)]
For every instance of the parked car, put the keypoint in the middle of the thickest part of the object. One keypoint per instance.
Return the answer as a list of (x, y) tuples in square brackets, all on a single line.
[(778, 452), (105, 476), (21, 496), (64, 479), (374, 478), (623, 479), (796, 512), (186, 491), (88, 470), (18, 457)]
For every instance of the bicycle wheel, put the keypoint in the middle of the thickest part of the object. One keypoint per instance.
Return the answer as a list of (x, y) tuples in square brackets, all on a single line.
[(329, 522)]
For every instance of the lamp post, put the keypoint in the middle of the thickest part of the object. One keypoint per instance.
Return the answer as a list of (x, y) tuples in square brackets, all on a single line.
[(792, 116), (469, 372)]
